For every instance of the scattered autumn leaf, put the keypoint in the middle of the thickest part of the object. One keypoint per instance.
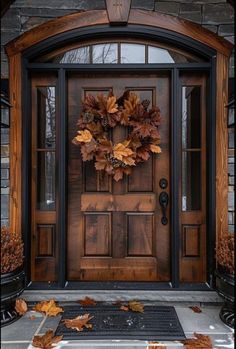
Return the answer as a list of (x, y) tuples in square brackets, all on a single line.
[(87, 301), (124, 308), (21, 306), (200, 341), (136, 306), (196, 309), (79, 322), (47, 341), (48, 307), (83, 136), (32, 317)]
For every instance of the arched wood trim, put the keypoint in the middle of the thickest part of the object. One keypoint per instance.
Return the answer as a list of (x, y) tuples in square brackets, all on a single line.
[(99, 17)]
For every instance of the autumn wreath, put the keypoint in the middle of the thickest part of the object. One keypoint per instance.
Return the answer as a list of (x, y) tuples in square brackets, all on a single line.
[(100, 115)]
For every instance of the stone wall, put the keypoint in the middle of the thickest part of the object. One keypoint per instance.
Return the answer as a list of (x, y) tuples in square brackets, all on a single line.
[(215, 15)]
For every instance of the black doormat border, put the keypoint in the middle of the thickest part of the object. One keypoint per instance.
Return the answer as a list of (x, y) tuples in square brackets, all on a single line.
[(159, 323)]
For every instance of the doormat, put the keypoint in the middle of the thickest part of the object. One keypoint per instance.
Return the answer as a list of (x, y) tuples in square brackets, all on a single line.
[(109, 322)]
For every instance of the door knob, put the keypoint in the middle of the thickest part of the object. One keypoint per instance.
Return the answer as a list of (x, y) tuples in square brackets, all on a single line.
[(163, 200)]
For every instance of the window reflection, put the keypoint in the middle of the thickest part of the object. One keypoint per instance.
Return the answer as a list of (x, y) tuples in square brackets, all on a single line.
[(78, 55), (191, 117), (46, 117), (191, 181), (105, 53), (46, 181), (132, 53)]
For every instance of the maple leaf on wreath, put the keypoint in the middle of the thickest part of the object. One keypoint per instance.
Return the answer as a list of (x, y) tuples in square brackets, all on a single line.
[(84, 136), (47, 341), (79, 322)]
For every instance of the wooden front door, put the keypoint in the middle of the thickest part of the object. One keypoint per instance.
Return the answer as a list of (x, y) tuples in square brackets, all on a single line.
[(114, 228)]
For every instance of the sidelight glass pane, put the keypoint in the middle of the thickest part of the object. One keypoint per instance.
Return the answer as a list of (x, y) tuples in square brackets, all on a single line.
[(191, 180), (105, 53), (46, 181), (132, 53), (78, 55), (191, 117), (46, 99)]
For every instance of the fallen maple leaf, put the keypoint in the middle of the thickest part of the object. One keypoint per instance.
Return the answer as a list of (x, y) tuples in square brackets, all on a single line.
[(79, 322), (47, 341), (200, 342), (196, 309), (48, 307), (136, 306), (21, 306), (124, 308), (87, 301), (32, 317)]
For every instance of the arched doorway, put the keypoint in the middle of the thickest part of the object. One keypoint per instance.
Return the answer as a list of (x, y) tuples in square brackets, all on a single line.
[(76, 233)]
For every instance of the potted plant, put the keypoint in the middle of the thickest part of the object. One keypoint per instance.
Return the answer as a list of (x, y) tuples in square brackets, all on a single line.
[(12, 274), (225, 276)]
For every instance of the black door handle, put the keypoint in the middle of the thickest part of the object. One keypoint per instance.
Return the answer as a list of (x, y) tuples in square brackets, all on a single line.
[(163, 200)]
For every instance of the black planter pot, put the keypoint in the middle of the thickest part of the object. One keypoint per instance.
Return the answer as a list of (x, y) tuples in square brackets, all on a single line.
[(12, 285), (225, 288)]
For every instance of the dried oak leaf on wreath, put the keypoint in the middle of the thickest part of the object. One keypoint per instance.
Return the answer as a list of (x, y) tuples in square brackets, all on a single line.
[(79, 322), (48, 307), (47, 341), (200, 341), (21, 306)]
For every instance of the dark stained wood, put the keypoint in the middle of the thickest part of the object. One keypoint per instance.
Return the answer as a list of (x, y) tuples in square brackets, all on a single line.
[(113, 235), (99, 17), (118, 11), (193, 222), (15, 82), (221, 146), (120, 203)]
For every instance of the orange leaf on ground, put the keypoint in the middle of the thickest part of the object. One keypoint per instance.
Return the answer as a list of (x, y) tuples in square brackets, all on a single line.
[(47, 341), (32, 317), (48, 307), (124, 308), (21, 306), (87, 301), (200, 342), (79, 322), (136, 306), (196, 309)]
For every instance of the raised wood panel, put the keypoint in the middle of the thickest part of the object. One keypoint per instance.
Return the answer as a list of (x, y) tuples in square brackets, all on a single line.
[(45, 240), (119, 203), (221, 146), (99, 17), (97, 234), (191, 240), (140, 233)]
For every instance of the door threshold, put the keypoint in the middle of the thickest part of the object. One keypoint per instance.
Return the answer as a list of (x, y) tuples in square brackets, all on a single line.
[(172, 296)]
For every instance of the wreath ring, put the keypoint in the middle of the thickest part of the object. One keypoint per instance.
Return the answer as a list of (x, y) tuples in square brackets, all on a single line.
[(102, 113)]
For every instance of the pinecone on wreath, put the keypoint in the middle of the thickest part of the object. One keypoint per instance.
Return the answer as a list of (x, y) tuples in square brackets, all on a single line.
[(145, 103)]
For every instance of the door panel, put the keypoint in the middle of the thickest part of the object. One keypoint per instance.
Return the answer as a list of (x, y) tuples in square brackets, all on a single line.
[(114, 228)]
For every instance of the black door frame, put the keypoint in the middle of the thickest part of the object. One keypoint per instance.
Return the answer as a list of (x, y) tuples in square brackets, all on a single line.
[(174, 69)]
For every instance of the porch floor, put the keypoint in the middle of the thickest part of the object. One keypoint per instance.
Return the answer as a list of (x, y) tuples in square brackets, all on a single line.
[(19, 334)]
